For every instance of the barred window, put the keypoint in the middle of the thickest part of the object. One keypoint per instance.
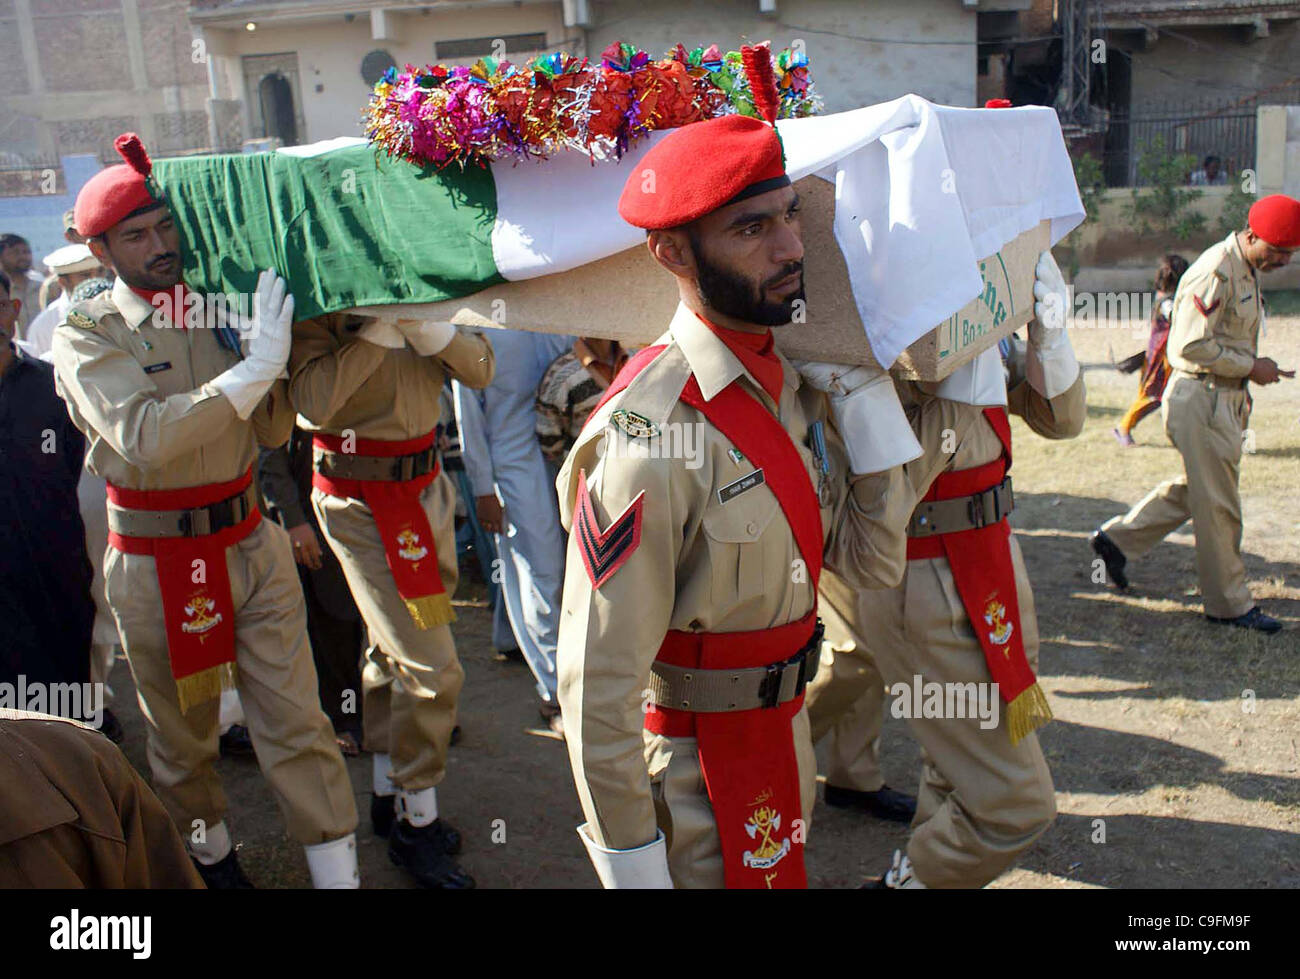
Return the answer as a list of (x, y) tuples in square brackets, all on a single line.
[(478, 47)]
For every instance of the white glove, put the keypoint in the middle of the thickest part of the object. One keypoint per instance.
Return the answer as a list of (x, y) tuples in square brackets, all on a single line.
[(875, 430), (382, 333), (1050, 364), (983, 381), (428, 339), (645, 867), (266, 336)]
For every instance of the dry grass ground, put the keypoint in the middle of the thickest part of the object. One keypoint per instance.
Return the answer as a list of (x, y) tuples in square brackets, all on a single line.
[(1153, 735)]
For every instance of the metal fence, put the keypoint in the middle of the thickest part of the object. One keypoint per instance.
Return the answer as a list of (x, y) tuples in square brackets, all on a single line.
[(1227, 132)]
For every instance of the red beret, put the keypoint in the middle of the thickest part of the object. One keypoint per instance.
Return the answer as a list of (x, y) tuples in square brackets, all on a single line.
[(998, 104), (116, 191), (699, 168), (1276, 219)]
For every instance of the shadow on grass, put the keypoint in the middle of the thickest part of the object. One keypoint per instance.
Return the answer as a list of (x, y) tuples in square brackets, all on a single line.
[(1125, 763), (1165, 852)]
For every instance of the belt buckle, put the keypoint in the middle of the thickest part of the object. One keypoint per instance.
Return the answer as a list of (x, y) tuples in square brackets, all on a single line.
[(196, 523), (769, 691), (975, 510)]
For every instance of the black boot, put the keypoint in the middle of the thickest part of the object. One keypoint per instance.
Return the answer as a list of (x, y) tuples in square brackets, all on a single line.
[(1114, 558), (224, 875), (884, 803), (236, 742), (1254, 619), (382, 814), (422, 851)]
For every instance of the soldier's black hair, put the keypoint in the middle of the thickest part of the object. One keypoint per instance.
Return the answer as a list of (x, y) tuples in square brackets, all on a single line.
[(9, 240)]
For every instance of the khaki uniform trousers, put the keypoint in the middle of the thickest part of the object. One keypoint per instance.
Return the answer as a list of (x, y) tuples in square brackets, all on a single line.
[(685, 815), (411, 679), (846, 701), (276, 682), (982, 800), (1205, 423)]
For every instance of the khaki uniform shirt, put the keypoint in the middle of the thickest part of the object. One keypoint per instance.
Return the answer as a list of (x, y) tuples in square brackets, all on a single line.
[(338, 381), (1221, 335), (75, 814), (702, 565), (139, 391)]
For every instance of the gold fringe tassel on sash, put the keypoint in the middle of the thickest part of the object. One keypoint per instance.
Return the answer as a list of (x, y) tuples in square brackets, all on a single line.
[(1030, 710), (205, 685), (429, 611)]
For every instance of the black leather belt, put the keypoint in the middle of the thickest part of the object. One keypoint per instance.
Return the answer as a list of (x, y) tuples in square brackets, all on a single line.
[(720, 691), (195, 522), (387, 469), (962, 513), (1222, 383)]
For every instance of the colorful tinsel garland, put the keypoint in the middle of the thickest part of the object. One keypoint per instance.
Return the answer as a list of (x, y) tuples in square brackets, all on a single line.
[(495, 110)]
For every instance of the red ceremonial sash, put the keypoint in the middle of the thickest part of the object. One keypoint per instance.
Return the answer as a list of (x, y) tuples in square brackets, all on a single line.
[(985, 576), (198, 610), (748, 759), (409, 547)]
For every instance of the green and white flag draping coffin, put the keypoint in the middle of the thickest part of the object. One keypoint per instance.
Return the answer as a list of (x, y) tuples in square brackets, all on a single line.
[(922, 193)]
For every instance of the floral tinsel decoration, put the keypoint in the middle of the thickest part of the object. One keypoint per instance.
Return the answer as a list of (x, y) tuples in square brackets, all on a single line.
[(495, 110)]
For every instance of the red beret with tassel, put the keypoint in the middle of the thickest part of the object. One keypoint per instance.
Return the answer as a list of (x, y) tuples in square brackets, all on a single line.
[(117, 191), (702, 166)]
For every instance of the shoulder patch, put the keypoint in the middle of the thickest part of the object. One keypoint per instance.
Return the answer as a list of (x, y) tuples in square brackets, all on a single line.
[(633, 424), (80, 320), (605, 551)]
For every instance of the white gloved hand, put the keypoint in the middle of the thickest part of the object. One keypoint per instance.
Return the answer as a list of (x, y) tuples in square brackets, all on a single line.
[(645, 867), (428, 338), (867, 413), (1050, 364), (382, 333), (266, 336)]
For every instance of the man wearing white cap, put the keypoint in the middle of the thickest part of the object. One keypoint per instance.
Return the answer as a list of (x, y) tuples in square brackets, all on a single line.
[(71, 264)]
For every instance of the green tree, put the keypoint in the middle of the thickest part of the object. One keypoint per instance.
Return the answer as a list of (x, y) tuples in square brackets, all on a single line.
[(1164, 205), (1237, 204)]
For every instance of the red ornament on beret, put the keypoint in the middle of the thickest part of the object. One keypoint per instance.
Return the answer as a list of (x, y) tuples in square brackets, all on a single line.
[(116, 191), (699, 168), (998, 104), (1276, 219)]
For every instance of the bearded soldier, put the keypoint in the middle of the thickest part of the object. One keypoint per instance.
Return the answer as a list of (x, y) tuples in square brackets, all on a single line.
[(689, 624), (203, 590), (369, 394)]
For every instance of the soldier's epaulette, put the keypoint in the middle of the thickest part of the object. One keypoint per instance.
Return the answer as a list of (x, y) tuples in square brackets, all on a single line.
[(86, 315), (641, 409)]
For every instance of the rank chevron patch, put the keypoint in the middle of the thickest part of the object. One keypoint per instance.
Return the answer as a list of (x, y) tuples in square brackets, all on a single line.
[(605, 551), (1200, 304)]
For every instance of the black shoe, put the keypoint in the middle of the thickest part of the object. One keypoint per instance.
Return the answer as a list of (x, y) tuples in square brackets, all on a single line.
[(224, 875), (420, 850), (110, 727), (512, 655), (236, 742), (382, 814), (1254, 619), (1106, 549), (884, 803)]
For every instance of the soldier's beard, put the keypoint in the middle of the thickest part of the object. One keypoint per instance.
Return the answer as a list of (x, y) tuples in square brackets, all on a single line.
[(734, 295)]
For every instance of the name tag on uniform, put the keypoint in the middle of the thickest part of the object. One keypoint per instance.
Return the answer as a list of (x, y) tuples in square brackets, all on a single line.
[(744, 483), (166, 365)]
